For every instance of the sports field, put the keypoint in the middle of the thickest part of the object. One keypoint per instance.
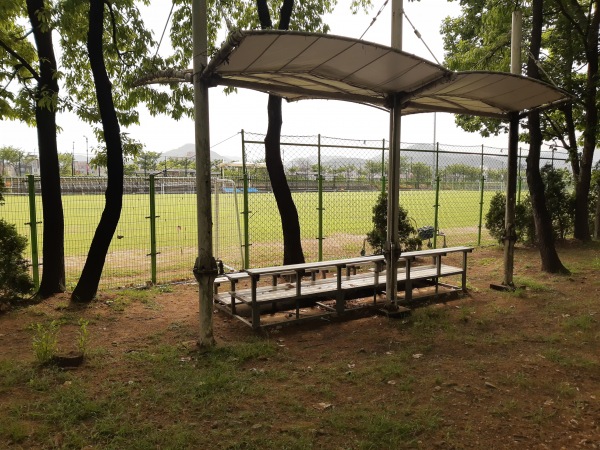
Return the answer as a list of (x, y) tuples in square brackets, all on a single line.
[(347, 217)]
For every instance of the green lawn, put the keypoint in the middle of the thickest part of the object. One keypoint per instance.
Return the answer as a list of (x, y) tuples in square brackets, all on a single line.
[(346, 220)]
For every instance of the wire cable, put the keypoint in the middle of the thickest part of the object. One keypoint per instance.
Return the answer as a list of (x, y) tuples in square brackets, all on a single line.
[(225, 140), (539, 64), (420, 37), (374, 18), (165, 28)]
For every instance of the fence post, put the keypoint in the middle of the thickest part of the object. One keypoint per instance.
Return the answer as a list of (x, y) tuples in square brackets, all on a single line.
[(383, 166), (320, 190), (152, 218), (481, 188), (481, 209), (245, 212), (437, 194), (33, 227)]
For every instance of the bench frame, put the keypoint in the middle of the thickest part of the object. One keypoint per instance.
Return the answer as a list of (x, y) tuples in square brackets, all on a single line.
[(339, 287)]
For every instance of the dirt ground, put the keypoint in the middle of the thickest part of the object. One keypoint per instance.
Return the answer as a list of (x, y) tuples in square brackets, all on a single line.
[(500, 370)]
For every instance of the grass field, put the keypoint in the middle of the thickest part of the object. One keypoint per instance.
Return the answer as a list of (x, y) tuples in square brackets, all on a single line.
[(347, 217)]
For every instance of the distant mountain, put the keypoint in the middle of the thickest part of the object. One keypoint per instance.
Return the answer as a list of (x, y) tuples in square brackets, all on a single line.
[(415, 153), (189, 151)]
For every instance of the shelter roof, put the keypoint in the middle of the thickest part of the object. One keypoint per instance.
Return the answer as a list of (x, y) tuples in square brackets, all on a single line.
[(299, 65)]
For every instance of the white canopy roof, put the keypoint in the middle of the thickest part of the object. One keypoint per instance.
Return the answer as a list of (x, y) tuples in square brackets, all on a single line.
[(297, 65)]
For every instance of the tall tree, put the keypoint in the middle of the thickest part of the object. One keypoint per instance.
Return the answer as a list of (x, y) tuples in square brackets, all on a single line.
[(478, 40), (583, 25), (35, 65), (543, 223), (290, 223), (17, 61), (46, 99), (90, 277)]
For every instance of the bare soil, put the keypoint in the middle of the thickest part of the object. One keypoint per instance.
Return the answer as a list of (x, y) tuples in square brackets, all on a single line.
[(496, 369)]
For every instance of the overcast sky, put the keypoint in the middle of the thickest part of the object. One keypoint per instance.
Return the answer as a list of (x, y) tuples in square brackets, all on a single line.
[(247, 110)]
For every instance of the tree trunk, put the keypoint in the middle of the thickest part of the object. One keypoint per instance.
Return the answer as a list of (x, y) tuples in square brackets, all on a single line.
[(597, 215), (53, 253), (543, 224), (582, 187), (87, 286), (290, 224)]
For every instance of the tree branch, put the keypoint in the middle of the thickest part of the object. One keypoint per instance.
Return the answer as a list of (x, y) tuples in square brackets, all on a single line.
[(21, 60), (580, 16), (285, 14), (263, 14)]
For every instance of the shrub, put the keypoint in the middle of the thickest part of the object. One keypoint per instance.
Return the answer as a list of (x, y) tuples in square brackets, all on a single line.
[(524, 226), (560, 204), (14, 273), (378, 235)]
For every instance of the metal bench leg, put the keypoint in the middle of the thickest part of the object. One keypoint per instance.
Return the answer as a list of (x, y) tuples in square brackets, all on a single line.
[(408, 283), (339, 295), (255, 307), (233, 283), (438, 269), (464, 272)]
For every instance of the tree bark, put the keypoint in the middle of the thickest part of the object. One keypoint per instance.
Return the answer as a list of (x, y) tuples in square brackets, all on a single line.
[(582, 186), (87, 286), (550, 261), (290, 223), (53, 254), (597, 215)]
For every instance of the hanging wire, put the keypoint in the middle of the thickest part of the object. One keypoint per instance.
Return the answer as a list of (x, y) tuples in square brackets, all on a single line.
[(165, 28), (374, 18), (225, 140), (411, 24), (538, 63), (420, 37)]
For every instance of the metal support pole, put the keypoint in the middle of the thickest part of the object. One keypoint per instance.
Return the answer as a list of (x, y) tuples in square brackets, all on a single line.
[(35, 267), (205, 269), (320, 190), (392, 245), (513, 144), (436, 206), (245, 212), (383, 180), (511, 189), (152, 218)]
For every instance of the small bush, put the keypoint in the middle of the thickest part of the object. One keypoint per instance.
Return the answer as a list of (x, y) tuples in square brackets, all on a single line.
[(378, 235), (560, 205), (524, 226), (14, 274), (45, 341)]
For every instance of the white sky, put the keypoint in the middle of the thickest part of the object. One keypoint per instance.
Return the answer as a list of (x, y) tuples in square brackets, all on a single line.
[(248, 110)]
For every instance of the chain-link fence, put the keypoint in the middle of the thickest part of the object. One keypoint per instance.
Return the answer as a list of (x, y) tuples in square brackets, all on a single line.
[(334, 182)]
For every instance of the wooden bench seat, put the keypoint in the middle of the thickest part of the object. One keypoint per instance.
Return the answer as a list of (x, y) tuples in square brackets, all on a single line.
[(340, 286)]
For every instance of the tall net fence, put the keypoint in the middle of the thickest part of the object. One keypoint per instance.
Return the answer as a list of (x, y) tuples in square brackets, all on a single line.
[(334, 183)]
